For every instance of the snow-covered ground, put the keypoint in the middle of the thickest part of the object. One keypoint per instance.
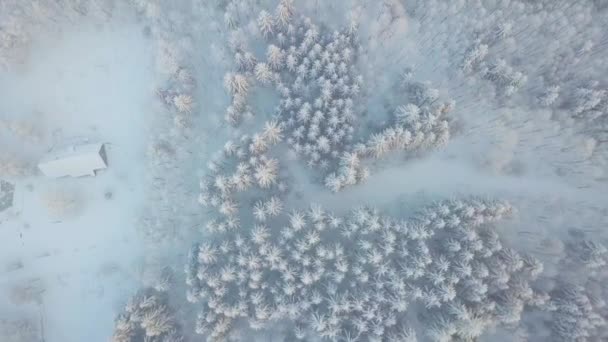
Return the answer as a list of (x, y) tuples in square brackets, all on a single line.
[(92, 83), (165, 85)]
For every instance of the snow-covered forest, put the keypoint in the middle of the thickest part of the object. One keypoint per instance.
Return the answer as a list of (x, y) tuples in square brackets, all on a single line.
[(303, 170)]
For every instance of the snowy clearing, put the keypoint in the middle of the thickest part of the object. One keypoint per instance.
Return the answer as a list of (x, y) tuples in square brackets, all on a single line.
[(78, 236)]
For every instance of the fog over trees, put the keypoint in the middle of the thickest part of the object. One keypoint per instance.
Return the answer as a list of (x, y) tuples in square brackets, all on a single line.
[(296, 170)]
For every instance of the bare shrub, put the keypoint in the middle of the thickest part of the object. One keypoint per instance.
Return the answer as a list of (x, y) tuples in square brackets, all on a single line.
[(21, 330), (28, 292), (63, 202)]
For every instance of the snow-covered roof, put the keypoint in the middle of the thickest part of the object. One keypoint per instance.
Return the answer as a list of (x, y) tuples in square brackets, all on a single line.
[(74, 161), (7, 192)]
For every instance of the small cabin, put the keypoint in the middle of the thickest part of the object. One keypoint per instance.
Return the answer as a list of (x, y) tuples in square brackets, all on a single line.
[(74, 161)]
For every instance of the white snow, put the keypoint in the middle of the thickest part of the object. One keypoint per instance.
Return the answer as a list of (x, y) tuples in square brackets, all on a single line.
[(85, 242)]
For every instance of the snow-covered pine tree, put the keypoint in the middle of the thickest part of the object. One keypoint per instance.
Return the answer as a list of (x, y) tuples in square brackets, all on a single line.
[(574, 318), (263, 73), (184, 103), (147, 316), (266, 24)]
